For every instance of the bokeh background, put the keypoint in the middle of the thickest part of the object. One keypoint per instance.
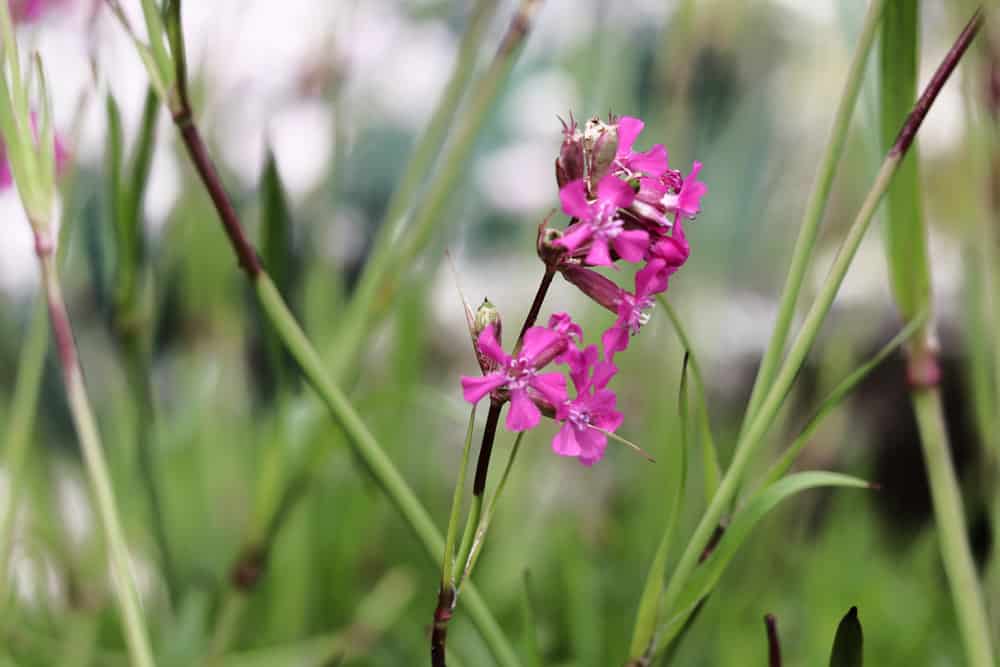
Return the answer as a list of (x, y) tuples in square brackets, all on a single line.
[(339, 90)]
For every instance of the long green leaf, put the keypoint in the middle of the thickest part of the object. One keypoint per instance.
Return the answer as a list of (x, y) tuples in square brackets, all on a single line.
[(905, 235), (709, 452), (705, 577), (848, 644)]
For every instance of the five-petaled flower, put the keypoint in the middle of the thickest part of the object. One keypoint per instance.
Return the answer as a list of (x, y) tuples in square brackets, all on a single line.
[(518, 375), (599, 222), (588, 417)]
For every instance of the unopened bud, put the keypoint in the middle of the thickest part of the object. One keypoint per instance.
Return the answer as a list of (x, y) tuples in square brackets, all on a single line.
[(548, 252), (570, 163), (486, 315), (600, 141), (597, 287)]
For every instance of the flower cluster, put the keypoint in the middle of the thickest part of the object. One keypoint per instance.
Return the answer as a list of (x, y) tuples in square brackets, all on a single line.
[(624, 206)]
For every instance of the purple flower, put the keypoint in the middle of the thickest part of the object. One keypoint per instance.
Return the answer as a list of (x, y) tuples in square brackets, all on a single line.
[(518, 375), (629, 163), (633, 311), (599, 223), (666, 256), (591, 412), (564, 325)]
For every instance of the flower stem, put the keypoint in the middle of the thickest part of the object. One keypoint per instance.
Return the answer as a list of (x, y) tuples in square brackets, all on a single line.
[(951, 525), (813, 216), (536, 306), (448, 561), (97, 468), (749, 442)]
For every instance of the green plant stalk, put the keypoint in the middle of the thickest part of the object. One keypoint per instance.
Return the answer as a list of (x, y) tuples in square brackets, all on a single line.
[(749, 443), (22, 417), (835, 397), (484, 523), (950, 519), (471, 526), (709, 452), (529, 622), (909, 270), (377, 283), (136, 634), (448, 560), (649, 602), (813, 216), (373, 456), (429, 146)]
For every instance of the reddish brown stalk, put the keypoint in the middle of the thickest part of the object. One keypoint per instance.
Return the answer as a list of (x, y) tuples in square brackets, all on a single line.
[(773, 645), (941, 75), (439, 633), (195, 145)]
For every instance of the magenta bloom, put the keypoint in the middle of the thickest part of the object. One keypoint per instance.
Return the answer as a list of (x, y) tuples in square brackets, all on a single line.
[(599, 223), (564, 325), (519, 376), (630, 163), (591, 412), (633, 311), (687, 202), (666, 256)]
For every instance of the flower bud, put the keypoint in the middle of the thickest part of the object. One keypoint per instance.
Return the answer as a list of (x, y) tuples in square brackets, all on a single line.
[(600, 142), (570, 164), (485, 315), (594, 285)]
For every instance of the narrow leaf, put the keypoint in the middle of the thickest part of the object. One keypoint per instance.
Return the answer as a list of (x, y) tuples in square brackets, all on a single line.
[(707, 575), (648, 613), (848, 644), (529, 621), (837, 396), (709, 452)]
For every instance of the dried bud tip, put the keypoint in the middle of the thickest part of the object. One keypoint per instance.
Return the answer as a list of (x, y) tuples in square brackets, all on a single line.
[(600, 142)]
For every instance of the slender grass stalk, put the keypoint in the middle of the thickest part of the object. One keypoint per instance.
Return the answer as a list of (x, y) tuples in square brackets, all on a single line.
[(909, 270), (813, 216), (96, 466), (950, 520), (433, 138), (471, 526), (17, 437), (378, 280), (749, 442), (448, 564), (836, 396)]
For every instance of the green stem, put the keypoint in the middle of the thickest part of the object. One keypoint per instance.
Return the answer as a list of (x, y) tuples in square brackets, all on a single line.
[(19, 428), (448, 560), (377, 283), (136, 634), (950, 520), (818, 198), (750, 441), (373, 456)]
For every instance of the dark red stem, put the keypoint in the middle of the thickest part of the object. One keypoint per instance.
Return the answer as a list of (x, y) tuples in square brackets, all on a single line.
[(485, 449), (773, 645), (944, 70), (439, 633), (245, 252)]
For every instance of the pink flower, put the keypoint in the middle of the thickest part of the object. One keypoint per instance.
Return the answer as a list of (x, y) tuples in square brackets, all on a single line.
[(599, 223), (633, 311), (564, 325), (591, 412), (666, 256), (518, 375), (629, 163), (31, 10), (687, 202)]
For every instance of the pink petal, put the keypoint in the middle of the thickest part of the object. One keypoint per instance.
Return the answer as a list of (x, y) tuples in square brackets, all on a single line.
[(631, 244), (629, 129), (575, 236), (573, 196), (552, 387), (651, 189), (564, 324), (539, 343), (474, 388), (653, 161), (598, 255), (592, 445), (614, 340), (488, 345), (652, 279), (523, 414), (615, 190), (564, 443), (603, 372), (579, 367), (673, 250), (689, 198)]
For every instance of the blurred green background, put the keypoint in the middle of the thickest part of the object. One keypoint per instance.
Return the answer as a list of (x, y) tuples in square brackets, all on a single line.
[(340, 91)]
